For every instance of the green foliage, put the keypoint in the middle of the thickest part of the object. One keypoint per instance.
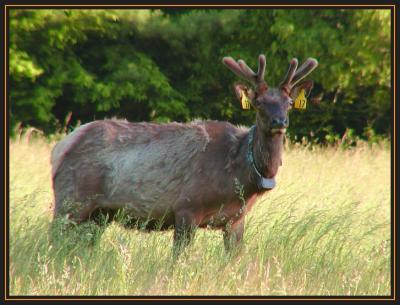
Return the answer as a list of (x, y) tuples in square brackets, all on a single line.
[(166, 65)]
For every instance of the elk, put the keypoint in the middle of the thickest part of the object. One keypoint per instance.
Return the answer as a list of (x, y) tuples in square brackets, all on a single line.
[(186, 175)]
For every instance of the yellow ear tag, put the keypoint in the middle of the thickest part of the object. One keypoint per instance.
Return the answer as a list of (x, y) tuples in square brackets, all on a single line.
[(244, 100), (301, 100)]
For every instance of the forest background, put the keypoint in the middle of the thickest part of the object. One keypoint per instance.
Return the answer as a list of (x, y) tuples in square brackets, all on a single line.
[(68, 67)]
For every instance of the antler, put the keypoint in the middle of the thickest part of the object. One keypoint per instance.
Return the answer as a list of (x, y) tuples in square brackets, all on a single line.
[(294, 75), (241, 69)]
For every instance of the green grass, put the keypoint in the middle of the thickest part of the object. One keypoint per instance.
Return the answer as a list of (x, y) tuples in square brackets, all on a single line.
[(324, 230)]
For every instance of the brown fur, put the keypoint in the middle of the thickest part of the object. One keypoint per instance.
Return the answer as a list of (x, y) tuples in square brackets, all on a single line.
[(185, 175)]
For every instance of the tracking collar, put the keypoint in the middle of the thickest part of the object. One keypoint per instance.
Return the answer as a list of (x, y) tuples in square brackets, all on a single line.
[(262, 182)]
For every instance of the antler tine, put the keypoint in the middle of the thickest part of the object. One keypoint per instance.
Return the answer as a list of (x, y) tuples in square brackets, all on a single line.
[(261, 68), (241, 69), (290, 73), (251, 76), (304, 70), (233, 66)]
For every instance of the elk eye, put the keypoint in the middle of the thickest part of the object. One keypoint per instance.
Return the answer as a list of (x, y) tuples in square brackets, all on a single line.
[(256, 102)]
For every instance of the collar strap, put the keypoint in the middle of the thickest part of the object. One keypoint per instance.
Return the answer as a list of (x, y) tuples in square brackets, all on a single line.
[(262, 182)]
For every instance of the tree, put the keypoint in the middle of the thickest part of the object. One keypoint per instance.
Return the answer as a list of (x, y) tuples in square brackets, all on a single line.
[(166, 65)]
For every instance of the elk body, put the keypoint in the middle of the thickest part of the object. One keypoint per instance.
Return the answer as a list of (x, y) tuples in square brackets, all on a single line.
[(204, 173)]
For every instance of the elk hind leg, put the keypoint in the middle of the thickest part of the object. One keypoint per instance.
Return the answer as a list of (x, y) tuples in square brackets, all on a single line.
[(185, 227)]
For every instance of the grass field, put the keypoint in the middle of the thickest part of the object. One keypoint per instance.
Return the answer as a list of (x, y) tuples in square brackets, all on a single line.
[(324, 230)]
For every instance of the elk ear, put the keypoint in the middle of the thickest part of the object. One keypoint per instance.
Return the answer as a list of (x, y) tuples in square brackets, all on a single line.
[(306, 85), (245, 95)]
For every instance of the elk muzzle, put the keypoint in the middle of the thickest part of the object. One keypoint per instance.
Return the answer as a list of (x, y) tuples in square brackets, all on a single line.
[(279, 124)]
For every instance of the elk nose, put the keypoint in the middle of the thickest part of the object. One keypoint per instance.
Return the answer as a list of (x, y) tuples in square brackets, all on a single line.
[(279, 123)]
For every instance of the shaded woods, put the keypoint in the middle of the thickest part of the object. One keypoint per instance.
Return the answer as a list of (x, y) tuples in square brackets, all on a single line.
[(165, 65)]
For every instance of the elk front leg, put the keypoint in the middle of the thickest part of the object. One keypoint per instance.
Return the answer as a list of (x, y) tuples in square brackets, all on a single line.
[(184, 231), (233, 234)]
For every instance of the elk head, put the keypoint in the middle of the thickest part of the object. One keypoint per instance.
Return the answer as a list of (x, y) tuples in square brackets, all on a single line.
[(272, 104)]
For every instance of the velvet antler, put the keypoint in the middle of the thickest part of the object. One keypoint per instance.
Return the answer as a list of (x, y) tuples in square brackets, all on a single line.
[(294, 75), (241, 69)]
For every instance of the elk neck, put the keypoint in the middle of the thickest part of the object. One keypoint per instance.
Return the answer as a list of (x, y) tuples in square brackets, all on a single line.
[(267, 151)]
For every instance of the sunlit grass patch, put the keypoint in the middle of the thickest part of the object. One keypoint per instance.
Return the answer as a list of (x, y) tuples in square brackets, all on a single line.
[(324, 230)]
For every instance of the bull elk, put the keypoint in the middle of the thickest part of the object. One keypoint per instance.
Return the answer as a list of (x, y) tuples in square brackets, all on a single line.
[(186, 175)]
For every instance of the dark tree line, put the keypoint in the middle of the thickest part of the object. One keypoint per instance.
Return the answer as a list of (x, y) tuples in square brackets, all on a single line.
[(165, 65)]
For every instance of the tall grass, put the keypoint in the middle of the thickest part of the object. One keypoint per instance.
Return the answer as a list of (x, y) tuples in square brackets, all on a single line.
[(324, 230)]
